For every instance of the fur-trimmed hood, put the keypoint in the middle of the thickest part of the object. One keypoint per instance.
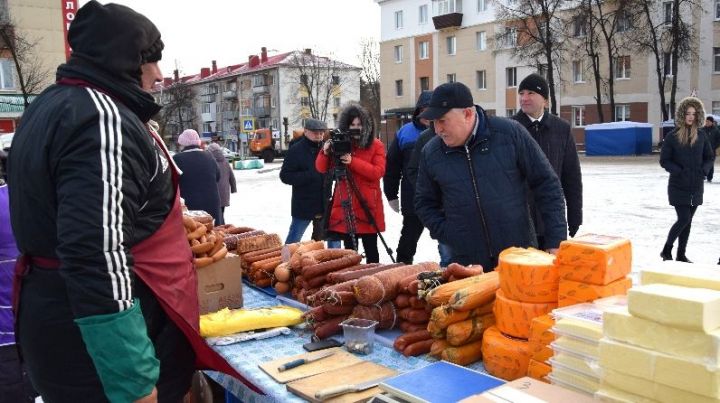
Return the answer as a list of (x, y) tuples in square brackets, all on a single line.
[(682, 107), (368, 131)]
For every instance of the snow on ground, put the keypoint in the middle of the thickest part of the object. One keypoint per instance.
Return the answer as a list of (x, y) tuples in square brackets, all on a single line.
[(623, 196)]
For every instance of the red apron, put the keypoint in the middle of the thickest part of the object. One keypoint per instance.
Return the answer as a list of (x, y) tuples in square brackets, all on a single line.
[(164, 262)]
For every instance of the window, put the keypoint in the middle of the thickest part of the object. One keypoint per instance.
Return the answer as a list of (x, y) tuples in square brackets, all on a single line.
[(481, 40), (717, 9), (450, 41), (206, 108), (447, 6), (398, 19), (207, 128), (481, 5), (398, 54), (667, 63), (579, 27), (305, 101), (542, 69), (481, 78), (451, 78), (336, 102), (511, 75), (423, 13), (510, 112), (622, 67), (510, 37), (424, 83), (623, 22), (335, 80), (622, 113), (716, 107), (716, 60), (578, 67), (578, 116), (304, 79), (668, 11), (424, 50), (398, 88)]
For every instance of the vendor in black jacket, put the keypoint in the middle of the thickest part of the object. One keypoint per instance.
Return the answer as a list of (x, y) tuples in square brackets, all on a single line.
[(557, 142), (473, 181), (309, 188)]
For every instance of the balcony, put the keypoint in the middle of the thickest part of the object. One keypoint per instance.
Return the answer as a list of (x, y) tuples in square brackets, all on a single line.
[(260, 89), (230, 115), (446, 21), (261, 112), (208, 117), (230, 94)]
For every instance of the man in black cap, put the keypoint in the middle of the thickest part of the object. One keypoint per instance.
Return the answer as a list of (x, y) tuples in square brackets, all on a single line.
[(474, 177), (396, 179), (310, 189), (712, 134), (557, 142)]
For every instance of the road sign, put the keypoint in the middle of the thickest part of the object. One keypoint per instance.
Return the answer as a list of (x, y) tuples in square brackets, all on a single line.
[(248, 125)]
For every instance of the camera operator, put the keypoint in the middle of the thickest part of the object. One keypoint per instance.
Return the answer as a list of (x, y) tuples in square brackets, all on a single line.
[(365, 165)]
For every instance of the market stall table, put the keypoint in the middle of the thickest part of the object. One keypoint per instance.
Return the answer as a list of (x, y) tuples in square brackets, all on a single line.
[(247, 356)]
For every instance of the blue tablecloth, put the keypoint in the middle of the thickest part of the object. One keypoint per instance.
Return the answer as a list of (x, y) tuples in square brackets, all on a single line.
[(247, 356)]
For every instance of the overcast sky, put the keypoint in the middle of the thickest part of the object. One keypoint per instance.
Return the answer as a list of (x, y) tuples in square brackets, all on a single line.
[(196, 32)]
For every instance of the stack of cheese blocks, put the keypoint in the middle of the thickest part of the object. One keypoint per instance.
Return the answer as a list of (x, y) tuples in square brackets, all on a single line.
[(593, 266), (528, 290), (665, 345)]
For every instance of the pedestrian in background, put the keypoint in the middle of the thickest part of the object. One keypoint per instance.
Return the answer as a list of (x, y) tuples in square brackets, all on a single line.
[(474, 178), (310, 188), (397, 179), (712, 134), (687, 156), (366, 166), (226, 184), (557, 142), (200, 175)]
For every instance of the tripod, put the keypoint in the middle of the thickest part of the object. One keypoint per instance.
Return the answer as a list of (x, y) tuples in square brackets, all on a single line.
[(341, 175)]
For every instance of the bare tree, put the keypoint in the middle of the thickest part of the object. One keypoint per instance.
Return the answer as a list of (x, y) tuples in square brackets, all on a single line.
[(584, 27), (31, 73), (319, 80), (178, 111), (537, 32), (370, 77)]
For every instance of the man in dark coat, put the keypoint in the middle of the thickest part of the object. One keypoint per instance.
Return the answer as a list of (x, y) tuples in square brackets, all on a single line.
[(712, 134), (309, 190), (474, 177), (557, 142), (396, 178), (200, 176)]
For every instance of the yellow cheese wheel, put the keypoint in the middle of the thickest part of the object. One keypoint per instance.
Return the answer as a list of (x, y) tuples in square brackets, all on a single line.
[(575, 292), (513, 317), (503, 356), (594, 259), (538, 370), (528, 275)]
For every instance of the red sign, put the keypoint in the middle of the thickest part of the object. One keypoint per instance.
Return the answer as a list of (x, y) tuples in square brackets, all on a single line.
[(69, 8)]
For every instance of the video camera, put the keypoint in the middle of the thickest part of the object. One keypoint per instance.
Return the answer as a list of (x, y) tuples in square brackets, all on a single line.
[(340, 143)]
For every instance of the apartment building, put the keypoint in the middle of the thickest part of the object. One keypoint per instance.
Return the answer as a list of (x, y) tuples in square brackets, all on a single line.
[(425, 43), (267, 91), (44, 23)]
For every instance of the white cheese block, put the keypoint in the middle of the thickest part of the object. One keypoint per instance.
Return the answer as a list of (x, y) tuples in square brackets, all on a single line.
[(660, 368), (684, 307), (682, 274), (649, 389), (608, 394), (701, 347)]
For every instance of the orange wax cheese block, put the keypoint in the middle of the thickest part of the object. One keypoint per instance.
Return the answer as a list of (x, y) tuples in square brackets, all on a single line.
[(528, 275), (538, 370), (513, 317), (540, 330), (575, 292), (503, 356), (542, 354), (594, 259)]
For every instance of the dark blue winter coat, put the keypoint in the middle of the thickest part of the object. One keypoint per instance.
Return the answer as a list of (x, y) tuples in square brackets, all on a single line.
[(687, 165), (308, 185), (474, 198), (199, 180), (396, 169)]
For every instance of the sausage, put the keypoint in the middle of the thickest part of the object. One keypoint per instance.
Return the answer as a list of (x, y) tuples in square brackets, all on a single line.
[(418, 348), (323, 255), (337, 309), (402, 301), (342, 276), (315, 282), (406, 339), (325, 267), (220, 254), (197, 233), (329, 327), (201, 247), (202, 261), (414, 315), (417, 303), (315, 315), (189, 223), (408, 327)]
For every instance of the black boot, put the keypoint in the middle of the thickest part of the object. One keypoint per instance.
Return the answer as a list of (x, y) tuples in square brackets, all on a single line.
[(682, 258), (666, 253), (718, 261)]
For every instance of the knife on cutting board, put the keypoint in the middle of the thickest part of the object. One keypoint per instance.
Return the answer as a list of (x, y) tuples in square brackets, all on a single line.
[(324, 394), (306, 360)]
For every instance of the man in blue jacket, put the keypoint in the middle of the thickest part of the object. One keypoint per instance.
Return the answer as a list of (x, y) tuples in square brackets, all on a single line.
[(474, 178)]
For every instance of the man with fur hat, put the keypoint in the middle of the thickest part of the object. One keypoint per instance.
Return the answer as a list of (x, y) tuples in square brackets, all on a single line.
[(557, 142), (396, 178), (105, 281)]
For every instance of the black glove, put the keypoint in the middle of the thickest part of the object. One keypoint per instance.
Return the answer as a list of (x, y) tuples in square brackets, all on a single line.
[(572, 230)]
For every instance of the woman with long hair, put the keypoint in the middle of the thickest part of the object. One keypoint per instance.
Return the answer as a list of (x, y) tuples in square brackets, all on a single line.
[(687, 156)]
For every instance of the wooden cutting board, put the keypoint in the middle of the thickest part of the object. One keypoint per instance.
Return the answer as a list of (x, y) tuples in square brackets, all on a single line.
[(353, 374), (340, 359)]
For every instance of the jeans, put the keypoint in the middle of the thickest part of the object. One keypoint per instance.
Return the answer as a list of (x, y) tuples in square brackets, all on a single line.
[(445, 254), (410, 233), (298, 227)]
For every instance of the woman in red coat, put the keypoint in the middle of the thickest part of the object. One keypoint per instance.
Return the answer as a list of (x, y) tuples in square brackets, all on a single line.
[(366, 166)]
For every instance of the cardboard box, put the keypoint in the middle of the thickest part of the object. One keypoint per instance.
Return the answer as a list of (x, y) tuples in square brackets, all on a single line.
[(528, 390), (220, 285)]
